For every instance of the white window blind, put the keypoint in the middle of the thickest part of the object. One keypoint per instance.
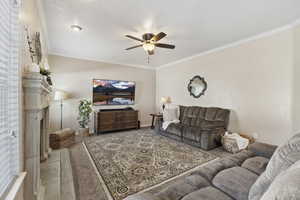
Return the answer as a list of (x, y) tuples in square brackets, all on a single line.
[(9, 93)]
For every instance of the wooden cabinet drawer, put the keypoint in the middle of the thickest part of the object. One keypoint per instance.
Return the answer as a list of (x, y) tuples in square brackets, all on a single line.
[(116, 120)]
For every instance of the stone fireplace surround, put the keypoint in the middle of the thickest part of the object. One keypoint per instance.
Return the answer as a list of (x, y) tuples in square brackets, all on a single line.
[(37, 97)]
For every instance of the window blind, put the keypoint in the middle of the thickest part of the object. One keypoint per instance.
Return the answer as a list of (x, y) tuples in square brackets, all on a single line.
[(9, 93)]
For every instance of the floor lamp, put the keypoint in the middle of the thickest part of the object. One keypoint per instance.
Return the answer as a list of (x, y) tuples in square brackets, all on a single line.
[(60, 96)]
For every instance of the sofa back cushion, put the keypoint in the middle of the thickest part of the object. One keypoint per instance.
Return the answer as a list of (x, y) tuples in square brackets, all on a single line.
[(284, 157), (198, 116), (286, 185)]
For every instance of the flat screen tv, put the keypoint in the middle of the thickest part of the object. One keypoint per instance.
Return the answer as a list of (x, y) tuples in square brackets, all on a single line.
[(113, 92)]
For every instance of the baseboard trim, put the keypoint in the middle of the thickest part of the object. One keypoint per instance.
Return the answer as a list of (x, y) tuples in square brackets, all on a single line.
[(145, 125)]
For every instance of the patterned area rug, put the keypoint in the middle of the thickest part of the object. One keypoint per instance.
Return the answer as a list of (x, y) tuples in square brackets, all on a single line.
[(132, 161)]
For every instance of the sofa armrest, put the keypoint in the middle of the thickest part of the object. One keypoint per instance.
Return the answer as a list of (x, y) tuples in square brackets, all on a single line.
[(158, 124), (262, 149)]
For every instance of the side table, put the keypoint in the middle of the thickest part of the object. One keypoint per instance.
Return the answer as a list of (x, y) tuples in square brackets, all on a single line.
[(154, 116)]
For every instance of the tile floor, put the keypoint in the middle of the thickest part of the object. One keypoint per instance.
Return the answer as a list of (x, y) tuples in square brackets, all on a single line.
[(50, 176)]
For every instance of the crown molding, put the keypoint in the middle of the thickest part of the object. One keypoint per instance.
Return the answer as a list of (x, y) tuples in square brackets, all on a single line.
[(234, 44), (103, 61)]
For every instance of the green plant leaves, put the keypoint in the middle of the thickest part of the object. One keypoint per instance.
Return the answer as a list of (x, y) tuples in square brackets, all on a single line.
[(85, 109)]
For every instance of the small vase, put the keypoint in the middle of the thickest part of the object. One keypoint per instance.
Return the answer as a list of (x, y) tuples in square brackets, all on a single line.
[(84, 132)]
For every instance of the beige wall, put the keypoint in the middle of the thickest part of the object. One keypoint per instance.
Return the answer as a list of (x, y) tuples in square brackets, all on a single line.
[(253, 79), (75, 77), (296, 97)]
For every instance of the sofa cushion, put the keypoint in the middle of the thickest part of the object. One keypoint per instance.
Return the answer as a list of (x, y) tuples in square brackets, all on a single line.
[(194, 115), (175, 128), (235, 182), (181, 187), (177, 190), (207, 193), (256, 164), (262, 149), (284, 156), (212, 124), (197, 181), (239, 158), (216, 114), (286, 185), (211, 170), (191, 132)]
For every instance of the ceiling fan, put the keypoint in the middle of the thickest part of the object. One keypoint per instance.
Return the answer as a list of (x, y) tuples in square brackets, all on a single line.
[(150, 41)]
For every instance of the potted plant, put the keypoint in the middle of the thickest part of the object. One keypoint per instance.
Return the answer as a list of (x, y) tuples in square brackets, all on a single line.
[(85, 109)]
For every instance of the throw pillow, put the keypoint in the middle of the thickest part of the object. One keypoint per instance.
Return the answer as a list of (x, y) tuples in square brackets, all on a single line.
[(170, 114), (284, 156)]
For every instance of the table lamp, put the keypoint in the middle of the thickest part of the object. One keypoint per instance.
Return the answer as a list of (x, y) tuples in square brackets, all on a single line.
[(164, 101), (60, 95)]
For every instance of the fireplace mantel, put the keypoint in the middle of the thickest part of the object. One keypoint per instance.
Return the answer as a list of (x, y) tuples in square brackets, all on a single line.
[(37, 96)]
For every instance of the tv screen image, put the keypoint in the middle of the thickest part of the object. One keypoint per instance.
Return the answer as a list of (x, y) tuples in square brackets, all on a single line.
[(113, 92)]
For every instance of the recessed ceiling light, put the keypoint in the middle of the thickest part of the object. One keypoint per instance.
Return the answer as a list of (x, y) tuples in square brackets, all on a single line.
[(76, 28)]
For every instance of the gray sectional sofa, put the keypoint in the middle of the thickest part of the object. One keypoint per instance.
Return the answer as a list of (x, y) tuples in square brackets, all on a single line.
[(199, 126), (254, 174)]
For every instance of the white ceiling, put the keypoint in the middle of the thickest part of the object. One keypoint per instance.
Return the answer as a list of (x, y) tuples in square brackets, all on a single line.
[(194, 26)]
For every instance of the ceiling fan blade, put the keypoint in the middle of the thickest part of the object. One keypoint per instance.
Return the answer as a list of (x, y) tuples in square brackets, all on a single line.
[(168, 46), (134, 38), (158, 36), (136, 46), (151, 52)]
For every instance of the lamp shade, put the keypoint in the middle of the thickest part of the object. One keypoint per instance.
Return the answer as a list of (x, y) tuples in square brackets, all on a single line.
[(166, 100), (60, 95)]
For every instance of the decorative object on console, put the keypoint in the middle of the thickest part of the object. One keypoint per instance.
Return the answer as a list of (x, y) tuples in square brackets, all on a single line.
[(164, 101), (85, 109), (197, 86), (60, 95)]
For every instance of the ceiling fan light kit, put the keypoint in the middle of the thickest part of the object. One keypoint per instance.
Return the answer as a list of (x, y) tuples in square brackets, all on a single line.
[(76, 28), (148, 46), (149, 42)]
